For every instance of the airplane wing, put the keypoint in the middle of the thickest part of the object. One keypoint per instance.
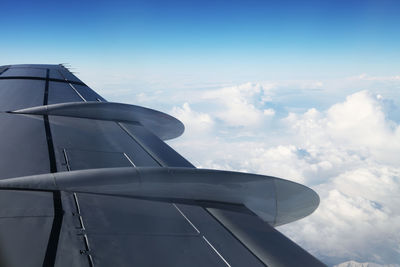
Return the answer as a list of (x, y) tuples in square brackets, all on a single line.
[(85, 182)]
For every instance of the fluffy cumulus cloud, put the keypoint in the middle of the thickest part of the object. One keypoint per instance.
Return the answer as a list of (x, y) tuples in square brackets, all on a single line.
[(348, 152), (197, 123), (240, 104)]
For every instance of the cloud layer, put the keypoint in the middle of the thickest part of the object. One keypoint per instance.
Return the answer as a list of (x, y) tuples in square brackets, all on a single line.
[(340, 137), (348, 152)]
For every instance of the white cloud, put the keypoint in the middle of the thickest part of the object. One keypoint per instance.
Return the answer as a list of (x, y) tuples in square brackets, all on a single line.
[(195, 122), (348, 153), (269, 112), (240, 104), (367, 77), (358, 218), (364, 264), (357, 124)]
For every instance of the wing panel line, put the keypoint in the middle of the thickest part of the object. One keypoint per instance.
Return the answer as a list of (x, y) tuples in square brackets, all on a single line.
[(51, 250), (234, 236), (73, 88), (150, 153), (216, 251), (39, 78), (4, 70), (184, 216)]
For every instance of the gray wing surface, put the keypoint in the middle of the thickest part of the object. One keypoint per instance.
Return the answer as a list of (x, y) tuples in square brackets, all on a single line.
[(59, 228)]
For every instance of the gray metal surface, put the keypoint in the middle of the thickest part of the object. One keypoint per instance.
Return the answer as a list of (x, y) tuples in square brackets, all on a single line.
[(269, 245), (76, 134), (17, 94), (274, 200), (158, 149), (25, 72), (159, 123), (23, 147), (25, 222), (79, 229), (60, 92)]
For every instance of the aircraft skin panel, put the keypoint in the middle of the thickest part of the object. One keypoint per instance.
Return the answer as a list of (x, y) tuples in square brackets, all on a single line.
[(88, 94), (55, 74), (14, 233), (95, 139), (67, 75), (23, 146), (24, 215), (25, 72), (161, 152), (60, 92), (78, 229), (17, 94)]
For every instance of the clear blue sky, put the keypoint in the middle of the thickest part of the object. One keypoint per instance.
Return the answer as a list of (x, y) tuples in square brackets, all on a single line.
[(249, 39)]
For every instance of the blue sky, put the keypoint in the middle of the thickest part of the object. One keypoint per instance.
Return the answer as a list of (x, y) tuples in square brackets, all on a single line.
[(304, 90), (240, 40)]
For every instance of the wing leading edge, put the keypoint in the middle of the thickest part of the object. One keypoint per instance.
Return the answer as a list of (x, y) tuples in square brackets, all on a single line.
[(171, 217)]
